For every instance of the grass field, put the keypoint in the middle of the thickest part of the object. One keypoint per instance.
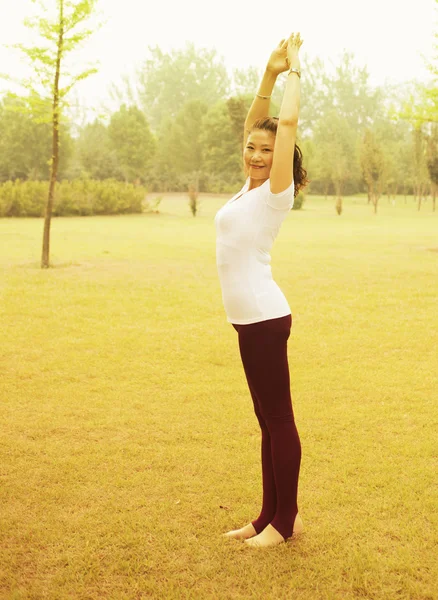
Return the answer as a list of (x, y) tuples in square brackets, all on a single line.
[(128, 440)]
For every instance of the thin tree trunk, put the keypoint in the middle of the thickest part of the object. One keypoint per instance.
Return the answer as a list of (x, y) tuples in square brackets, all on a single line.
[(338, 189), (369, 193), (420, 195), (45, 263), (326, 190)]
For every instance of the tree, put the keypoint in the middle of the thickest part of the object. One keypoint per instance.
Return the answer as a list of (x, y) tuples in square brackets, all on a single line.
[(339, 106), (62, 35), (179, 157), (343, 87), (246, 81), (421, 174), (237, 110), (168, 80), (422, 104), (432, 161), (96, 155), (335, 152), (132, 141), (430, 92), (222, 145), (25, 143), (373, 167)]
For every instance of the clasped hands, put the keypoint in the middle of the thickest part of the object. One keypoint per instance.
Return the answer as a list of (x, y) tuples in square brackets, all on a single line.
[(285, 55)]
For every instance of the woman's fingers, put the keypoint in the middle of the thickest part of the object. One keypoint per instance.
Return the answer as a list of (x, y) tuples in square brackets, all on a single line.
[(295, 40)]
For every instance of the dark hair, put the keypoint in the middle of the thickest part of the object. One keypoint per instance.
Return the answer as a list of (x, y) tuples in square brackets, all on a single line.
[(300, 174)]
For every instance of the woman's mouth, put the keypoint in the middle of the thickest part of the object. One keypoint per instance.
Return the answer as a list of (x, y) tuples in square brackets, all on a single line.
[(256, 166)]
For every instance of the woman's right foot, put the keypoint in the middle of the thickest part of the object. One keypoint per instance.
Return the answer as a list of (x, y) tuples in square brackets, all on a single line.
[(242, 534), (248, 531)]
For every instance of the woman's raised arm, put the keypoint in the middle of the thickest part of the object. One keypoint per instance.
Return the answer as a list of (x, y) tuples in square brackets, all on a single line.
[(260, 106), (281, 174)]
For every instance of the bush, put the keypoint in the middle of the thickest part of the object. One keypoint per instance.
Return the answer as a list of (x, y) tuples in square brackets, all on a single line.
[(79, 197)]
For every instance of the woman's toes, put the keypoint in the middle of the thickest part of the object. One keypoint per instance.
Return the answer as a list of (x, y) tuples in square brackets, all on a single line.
[(242, 534)]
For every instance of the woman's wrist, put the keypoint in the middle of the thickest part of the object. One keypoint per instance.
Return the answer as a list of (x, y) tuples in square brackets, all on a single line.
[(267, 83), (270, 73)]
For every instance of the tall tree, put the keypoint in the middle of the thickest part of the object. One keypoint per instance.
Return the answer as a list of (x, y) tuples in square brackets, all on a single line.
[(222, 144), (62, 33), (246, 81), (419, 155), (132, 142), (432, 161), (373, 167), (422, 104), (96, 155), (179, 150), (168, 80), (343, 87), (336, 149), (25, 142)]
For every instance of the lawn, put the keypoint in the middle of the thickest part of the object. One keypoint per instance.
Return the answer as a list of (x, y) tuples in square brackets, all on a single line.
[(128, 440)]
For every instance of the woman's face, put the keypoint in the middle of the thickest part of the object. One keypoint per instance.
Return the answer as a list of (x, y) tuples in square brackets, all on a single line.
[(258, 154)]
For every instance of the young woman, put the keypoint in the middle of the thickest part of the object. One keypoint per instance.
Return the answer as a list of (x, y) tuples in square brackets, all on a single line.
[(246, 229)]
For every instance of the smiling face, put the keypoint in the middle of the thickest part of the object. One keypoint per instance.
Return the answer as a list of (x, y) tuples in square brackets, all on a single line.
[(258, 154)]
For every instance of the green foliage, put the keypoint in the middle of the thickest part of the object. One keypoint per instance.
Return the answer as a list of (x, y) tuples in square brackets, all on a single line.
[(72, 198), (168, 80), (335, 154), (432, 154), (182, 141), (97, 155), (132, 142), (221, 148), (183, 98), (422, 105), (25, 142), (245, 81), (60, 33)]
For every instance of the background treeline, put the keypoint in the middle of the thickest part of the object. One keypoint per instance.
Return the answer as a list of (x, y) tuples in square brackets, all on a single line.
[(180, 123)]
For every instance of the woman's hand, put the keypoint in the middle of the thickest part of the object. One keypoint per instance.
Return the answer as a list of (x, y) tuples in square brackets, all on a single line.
[(294, 44), (278, 60)]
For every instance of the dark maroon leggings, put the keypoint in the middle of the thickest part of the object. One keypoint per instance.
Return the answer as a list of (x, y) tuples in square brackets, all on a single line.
[(263, 349)]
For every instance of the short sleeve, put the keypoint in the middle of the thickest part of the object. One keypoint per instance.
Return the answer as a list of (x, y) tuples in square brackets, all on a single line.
[(283, 200)]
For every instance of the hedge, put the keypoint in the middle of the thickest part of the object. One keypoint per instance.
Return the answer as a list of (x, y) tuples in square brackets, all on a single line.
[(72, 198)]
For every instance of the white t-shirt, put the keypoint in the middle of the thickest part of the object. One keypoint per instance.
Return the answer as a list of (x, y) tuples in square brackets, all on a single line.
[(246, 227)]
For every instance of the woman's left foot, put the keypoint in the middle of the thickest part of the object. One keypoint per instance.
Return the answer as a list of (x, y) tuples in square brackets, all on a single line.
[(268, 537)]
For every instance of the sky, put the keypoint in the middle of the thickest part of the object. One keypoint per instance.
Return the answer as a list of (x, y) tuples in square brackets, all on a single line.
[(389, 36)]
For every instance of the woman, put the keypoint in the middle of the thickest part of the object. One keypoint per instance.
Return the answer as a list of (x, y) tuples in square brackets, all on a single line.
[(256, 307)]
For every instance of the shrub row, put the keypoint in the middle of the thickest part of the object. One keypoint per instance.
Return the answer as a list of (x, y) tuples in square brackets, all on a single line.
[(72, 198)]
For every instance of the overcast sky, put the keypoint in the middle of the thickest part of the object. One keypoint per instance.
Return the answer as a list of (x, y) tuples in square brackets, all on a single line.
[(388, 36)]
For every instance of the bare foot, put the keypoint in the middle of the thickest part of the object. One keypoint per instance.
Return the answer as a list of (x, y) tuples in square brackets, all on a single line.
[(271, 537), (268, 537), (243, 533)]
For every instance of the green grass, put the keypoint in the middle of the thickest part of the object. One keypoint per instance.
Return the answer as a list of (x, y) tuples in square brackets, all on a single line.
[(128, 440)]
